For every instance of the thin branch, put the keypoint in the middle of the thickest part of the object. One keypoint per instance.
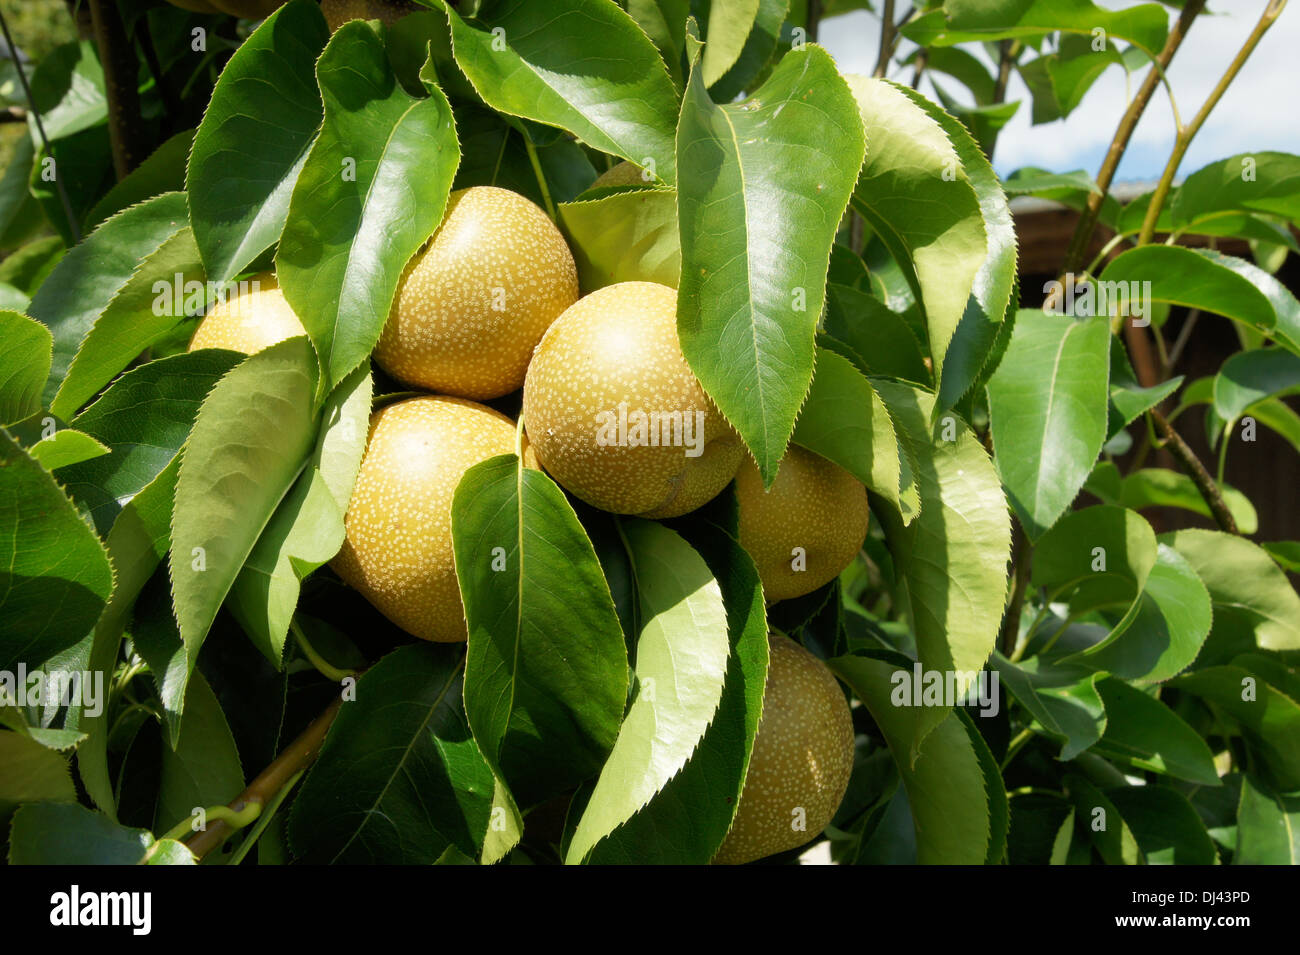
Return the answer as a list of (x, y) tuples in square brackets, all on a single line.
[(886, 39), (1196, 471), (1188, 133), (300, 754), (814, 19), (1184, 333), (1007, 51), (117, 56), (921, 60), (1128, 123)]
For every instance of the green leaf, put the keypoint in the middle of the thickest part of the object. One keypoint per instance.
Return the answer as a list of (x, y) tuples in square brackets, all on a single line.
[(1128, 398), (946, 786), (962, 21), (624, 236), (144, 418), (882, 343), (137, 542), (307, 529), (1147, 733), (1268, 826), (1030, 181), (580, 65), (727, 26), (33, 773), (681, 666), (372, 190), (27, 268), (697, 805), (756, 53), (144, 310), (1047, 410), (248, 445), (845, 421), (163, 171), (1263, 182), (1099, 821), (399, 779), (1269, 719), (25, 349), (664, 22), (202, 769), (1209, 280), (68, 90), (1243, 580), (546, 672), (962, 66), (916, 194), (952, 558), (64, 447), (250, 145), (86, 279), (1068, 708), (1060, 79), (53, 833), (764, 185), (1167, 828), (1251, 376), (57, 576), (1097, 557), (1160, 487)]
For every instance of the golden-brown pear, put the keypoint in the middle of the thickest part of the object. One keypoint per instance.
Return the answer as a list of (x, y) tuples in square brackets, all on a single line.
[(339, 12), (398, 551), (615, 413), (474, 302), (804, 529), (623, 174), (803, 755), (249, 9), (257, 318)]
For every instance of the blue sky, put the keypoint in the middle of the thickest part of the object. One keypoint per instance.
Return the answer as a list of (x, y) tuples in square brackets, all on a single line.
[(1260, 112)]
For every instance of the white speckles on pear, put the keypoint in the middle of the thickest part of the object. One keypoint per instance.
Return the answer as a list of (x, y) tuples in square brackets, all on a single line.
[(398, 551), (814, 504), (471, 306), (803, 755), (258, 319), (619, 344)]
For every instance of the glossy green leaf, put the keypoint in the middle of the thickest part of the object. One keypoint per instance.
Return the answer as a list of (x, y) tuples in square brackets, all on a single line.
[(203, 768), (143, 311), (307, 528), (1269, 719), (1243, 580), (25, 349), (546, 674), (68, 90), (144, 418), (1146, 732), (251, 145), (1160, 487), (625, 236), (1167, 828), (581, 65), (1047, 406), (66, 447), (53, 833), (944, 781), (917, 196), (664, 22), (1251, 376), (33, 773), (726, 28), (757, 52), (57, 576), (1268, 826), (90, 275), (681, 668), (372, 190), (1096, 557), (163, 171), (764, 184), (399, 778), (845, 421), (1068, 708), (1259, 182), (697, 804), (882, 343), (248, 445), (962, 21), (952, 558)]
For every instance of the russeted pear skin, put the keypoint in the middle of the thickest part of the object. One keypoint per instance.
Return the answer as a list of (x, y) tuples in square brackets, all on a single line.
[(257, 319), (813, 504), (249, 9), (471, 306), (398, 552), (622, 174), (803, 755), (615, 349)]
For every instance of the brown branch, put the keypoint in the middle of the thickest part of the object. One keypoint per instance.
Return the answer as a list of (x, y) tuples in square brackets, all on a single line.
[(1196, 471), (117, 56), (1128, 123), (814, 19), (299, 754), (886, 39), (1006, 59)]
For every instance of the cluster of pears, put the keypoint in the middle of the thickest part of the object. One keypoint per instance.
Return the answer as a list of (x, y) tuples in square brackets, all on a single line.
[(491, 304)]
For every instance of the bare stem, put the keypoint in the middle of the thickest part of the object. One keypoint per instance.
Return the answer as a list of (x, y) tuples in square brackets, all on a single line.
[(117, 55), (886, 39), (1128, 123), (1196, 471)]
